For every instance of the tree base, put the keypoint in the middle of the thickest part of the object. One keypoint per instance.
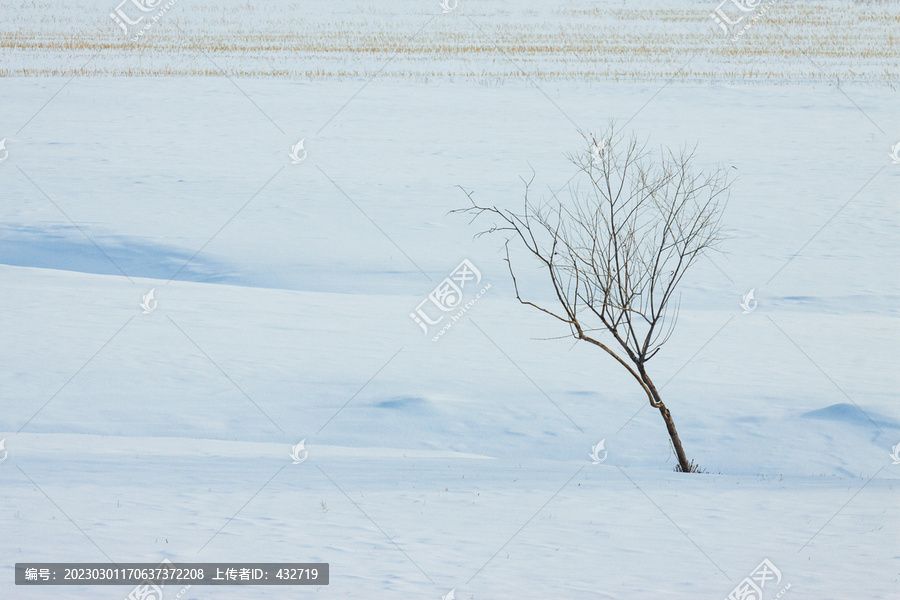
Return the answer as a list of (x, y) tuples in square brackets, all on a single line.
[(692, 468)]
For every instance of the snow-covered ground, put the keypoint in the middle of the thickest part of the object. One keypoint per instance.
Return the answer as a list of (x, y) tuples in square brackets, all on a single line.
[(283, 297)]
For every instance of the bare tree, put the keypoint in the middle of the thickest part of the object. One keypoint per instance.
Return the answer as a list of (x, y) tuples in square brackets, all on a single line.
[(618, 247)]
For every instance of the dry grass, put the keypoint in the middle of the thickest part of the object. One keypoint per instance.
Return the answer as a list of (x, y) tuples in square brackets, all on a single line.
[(692, 468), (853, 41)]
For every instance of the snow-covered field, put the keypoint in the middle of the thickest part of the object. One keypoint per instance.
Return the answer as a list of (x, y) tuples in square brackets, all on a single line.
[(485, 41), (282, 295)]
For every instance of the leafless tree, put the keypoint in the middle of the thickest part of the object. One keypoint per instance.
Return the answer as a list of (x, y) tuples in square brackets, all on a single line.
[(618, 246)]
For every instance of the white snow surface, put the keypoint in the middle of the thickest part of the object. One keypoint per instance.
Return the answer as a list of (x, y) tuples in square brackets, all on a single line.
[(284, 293)]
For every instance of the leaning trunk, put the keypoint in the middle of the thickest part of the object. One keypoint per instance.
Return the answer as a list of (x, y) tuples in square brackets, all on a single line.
[(656, 401), (676, 441)]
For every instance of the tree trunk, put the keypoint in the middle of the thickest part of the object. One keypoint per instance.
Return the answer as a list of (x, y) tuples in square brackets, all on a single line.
[(656, 401), (676, 441)]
